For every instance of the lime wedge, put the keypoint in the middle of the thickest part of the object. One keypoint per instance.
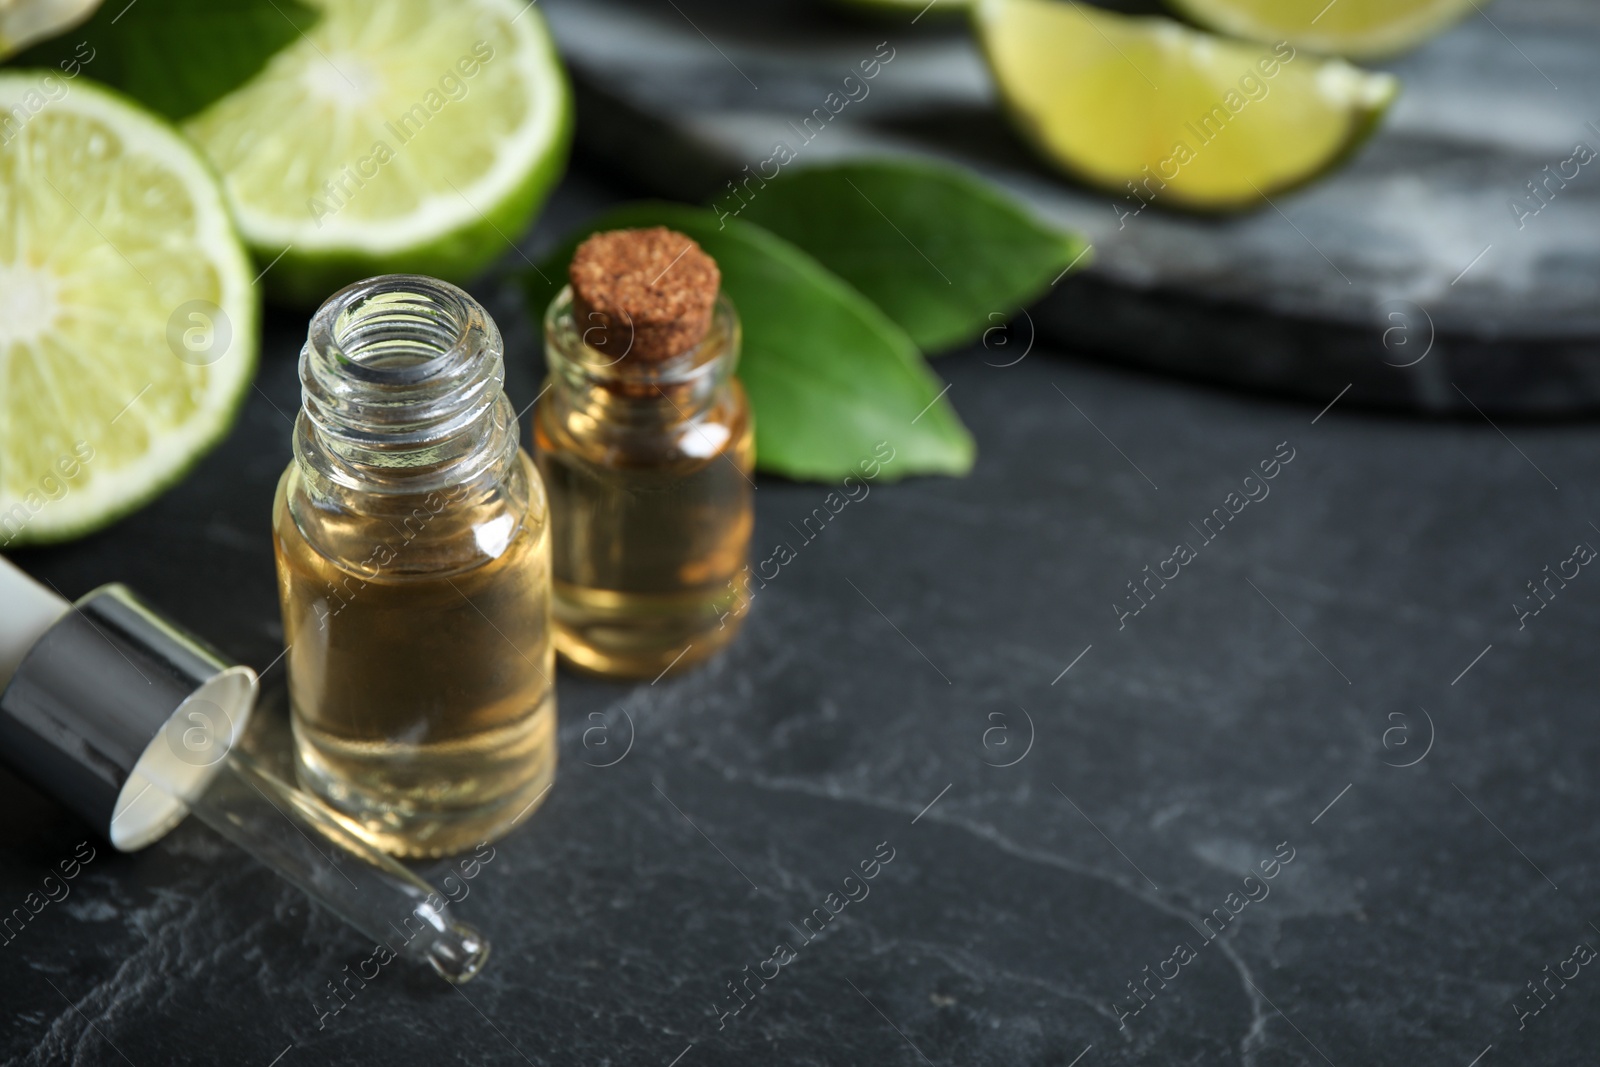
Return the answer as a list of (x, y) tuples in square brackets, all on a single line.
[(395, 136), (1161, 113), (1364, 28), (127, 317)]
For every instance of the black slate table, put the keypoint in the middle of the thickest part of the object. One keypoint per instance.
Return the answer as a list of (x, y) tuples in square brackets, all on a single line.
[(1336, 689)]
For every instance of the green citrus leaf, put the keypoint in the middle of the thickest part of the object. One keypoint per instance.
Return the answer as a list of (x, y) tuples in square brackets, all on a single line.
[(942, 252), (175, 56), (829, 375)]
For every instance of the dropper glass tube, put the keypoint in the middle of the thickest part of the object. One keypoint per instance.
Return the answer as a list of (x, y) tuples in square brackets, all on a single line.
[(215, 758), (306, 844)]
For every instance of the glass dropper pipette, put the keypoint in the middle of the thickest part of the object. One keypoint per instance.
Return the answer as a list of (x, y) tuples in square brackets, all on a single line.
[(134, 723)]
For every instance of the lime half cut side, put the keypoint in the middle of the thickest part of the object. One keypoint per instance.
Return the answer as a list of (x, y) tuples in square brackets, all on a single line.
[(1157, 112), (395, 136), (127, 313), (1358, 28)]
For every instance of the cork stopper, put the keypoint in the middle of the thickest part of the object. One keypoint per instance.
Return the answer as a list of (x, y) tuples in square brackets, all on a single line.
[(643, 294)]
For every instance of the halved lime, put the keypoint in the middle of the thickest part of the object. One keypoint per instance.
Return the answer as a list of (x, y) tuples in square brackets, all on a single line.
[(1157, 112), (127, 316), (1342, 27), (395, 136)]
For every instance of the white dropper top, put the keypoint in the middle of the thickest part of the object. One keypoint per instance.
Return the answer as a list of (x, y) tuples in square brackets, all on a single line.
[(27, 610)]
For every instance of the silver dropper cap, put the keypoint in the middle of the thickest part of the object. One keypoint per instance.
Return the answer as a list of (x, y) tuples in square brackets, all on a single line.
[(121, 715)]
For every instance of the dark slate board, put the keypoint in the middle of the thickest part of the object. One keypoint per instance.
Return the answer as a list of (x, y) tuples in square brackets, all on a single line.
[(1197, 739), (1412, 243)]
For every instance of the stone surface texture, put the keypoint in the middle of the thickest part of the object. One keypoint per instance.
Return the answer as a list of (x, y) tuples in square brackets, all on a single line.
[(943, 674)]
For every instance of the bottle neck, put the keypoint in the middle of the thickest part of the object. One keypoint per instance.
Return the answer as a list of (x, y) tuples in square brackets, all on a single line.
[(623, 394), (403, 384)]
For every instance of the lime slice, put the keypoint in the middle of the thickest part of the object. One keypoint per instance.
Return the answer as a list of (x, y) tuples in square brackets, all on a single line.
[(1345, 27), (1161, 113), (395, 136), (127, 317)]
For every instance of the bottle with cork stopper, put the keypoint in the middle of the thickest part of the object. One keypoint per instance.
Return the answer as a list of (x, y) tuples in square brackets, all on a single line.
[(646, 444)]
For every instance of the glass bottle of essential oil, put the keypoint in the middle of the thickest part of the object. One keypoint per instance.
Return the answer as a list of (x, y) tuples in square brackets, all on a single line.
[(413, 548), (646, 442)]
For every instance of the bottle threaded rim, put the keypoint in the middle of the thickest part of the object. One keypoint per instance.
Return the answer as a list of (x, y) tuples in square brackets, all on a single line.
[(402, 373)]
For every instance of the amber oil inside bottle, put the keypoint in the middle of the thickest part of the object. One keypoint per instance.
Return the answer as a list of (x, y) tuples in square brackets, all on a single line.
[(648, 466), (413, 549)]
